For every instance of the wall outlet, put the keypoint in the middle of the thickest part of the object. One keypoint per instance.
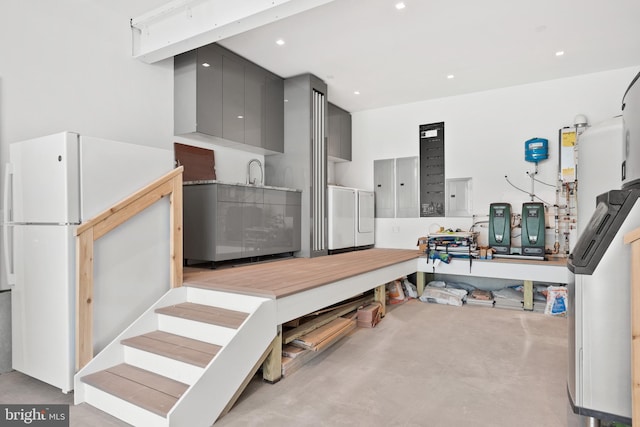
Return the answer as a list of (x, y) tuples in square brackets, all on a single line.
[(395, 229)]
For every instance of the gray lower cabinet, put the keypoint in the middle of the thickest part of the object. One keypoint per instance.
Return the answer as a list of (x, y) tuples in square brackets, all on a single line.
[(223, 222)]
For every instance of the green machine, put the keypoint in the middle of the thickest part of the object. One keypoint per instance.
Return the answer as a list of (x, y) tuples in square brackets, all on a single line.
[(500, 227), (533, 229)]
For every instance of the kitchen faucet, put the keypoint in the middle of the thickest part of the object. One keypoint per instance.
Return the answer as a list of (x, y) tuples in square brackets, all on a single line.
[(253, 182)]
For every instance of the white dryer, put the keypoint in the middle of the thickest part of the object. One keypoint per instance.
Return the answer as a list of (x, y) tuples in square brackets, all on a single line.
[(365, 229)]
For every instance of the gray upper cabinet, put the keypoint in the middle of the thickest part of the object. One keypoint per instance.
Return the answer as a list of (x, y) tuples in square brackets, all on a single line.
[(209, 80), (254, 103), (273, 115), (232, 98), (333, 137), (339, 137), (222, 95)]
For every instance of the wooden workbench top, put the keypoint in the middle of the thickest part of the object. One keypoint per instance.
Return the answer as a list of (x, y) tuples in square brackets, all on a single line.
[(286, 277)]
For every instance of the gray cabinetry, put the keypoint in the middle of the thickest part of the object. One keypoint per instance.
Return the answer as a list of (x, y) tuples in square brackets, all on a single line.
[(304, 162), (255, 91), (209, 81), (224, 222), (222, 95), (339, 136), (273, 115), (232, 98)]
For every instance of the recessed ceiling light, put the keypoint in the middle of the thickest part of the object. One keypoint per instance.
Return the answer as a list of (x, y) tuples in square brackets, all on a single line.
[(241, 117), (400, 5), (450, 76), (280, 42), (356, 92), (560, 53), (206, 64)]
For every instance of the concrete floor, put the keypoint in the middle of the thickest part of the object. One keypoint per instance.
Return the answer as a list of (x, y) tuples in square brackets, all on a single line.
[(423, 365)]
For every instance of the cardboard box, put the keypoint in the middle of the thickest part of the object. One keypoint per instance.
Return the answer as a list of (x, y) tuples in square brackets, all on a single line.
[(423, 244), (369, 316)]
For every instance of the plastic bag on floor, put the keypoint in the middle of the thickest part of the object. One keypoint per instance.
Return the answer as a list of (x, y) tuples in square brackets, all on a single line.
[(410, 289), (446, 296), (556, 301)]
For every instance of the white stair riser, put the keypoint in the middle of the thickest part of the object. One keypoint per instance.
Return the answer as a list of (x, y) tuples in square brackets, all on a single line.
[(206, 332), (121, 409), (170, 368), (228, 300), (112, 354)]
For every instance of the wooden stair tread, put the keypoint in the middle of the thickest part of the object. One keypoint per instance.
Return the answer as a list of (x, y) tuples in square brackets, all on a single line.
[(145, 389), (206, 314), (194, 352)]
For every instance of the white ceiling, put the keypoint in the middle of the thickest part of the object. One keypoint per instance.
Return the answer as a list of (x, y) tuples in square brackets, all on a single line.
[(400, 56)]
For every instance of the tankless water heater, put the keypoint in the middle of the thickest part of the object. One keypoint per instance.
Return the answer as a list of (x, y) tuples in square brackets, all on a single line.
[(500, 227), (533, 229)]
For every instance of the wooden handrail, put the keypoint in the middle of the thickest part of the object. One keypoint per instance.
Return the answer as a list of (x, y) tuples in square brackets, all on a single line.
[(88, 232), (633, 238)]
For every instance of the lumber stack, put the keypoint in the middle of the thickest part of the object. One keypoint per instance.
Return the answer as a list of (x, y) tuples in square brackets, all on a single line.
[(306, 338)]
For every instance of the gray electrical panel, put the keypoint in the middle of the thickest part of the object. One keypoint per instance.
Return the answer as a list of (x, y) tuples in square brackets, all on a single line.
[(384, 187), (407, 187)]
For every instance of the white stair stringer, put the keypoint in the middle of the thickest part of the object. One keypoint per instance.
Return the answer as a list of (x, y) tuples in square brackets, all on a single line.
[(205, 400), (210, 388)]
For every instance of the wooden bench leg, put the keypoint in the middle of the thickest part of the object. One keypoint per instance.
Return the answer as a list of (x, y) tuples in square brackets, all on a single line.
[(272, 366), (421, 278), (380, 295), (528, 295)]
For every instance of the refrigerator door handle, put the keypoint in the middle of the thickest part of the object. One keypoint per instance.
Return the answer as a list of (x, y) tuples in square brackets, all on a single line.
[(7, 246)]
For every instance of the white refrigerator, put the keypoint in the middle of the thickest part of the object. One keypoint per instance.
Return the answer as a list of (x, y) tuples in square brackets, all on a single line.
[(51, 185)]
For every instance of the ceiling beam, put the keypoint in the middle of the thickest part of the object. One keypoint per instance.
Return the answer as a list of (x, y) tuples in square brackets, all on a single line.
[(183, 25)]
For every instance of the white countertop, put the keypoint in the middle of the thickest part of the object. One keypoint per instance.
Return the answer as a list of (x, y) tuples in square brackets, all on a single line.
[(239, 184)]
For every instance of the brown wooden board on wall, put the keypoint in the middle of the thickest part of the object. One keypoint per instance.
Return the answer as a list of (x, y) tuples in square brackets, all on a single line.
[(199, 163), (432, 180)]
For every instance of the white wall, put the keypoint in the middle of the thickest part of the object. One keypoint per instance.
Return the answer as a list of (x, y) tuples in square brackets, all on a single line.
[(484, 139), (67, 65)]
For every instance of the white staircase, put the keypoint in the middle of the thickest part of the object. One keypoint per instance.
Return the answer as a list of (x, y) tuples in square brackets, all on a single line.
[(182, 361)]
